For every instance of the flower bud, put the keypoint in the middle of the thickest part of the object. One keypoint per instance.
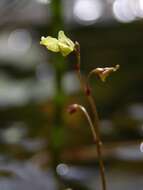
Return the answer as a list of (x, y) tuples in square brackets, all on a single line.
[(103, 73), (72, 108)]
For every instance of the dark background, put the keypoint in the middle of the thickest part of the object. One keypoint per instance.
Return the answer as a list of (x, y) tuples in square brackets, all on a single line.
[(41, 145)]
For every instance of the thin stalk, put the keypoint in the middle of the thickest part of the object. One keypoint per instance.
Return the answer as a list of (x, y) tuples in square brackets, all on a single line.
[(86, 90), (77, 106)]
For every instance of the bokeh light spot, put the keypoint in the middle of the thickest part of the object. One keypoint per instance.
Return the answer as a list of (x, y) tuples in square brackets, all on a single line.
[(44, 1), (20, 41), (141, 147), (62, 169), (123, 10), (86, 12)]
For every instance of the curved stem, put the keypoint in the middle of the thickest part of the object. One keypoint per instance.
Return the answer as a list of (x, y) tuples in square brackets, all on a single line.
[(86, 89), (88, 119)]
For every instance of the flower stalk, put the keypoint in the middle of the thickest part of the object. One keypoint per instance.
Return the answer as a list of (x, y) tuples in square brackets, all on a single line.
[(95, 127), (74, 108)]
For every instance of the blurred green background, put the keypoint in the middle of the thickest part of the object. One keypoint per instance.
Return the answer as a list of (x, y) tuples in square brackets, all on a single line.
[(41, 145)]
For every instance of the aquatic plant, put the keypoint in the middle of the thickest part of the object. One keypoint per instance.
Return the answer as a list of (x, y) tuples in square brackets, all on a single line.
[(65, 46)]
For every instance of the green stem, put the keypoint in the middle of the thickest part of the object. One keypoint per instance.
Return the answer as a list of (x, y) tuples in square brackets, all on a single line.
[(56, 25)]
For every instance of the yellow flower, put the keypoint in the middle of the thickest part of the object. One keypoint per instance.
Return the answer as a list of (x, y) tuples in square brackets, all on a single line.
[(50, 43), (63, 44)]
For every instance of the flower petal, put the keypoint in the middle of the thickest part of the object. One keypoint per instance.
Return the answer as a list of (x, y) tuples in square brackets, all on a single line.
[(65, 44), (64, 49), (50, 43)]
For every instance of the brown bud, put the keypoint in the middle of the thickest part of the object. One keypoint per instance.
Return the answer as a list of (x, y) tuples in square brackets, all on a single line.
[(103, 73), (72, 108)]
